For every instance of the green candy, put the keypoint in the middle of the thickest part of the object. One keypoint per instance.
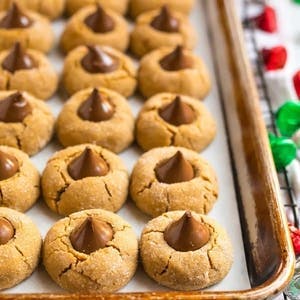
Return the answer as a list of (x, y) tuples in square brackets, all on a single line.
[(296, 1), (288, 118), (284, 151)]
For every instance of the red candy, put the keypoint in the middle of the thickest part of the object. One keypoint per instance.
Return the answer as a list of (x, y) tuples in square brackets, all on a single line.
[(274, 58), (295, 236), (296, 80), (267, 20)]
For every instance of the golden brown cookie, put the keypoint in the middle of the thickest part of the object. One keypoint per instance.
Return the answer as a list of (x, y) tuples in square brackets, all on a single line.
[(93, 25), (19, 180), (137, 7), (96, 116), (84, 177), (173, 178), (27, 70), (91, 251), (31, 29), (20, 246), (175, 71), (185, 251), (174, 120), (119, 6), (159, 28), (94, 66), (26, 122), (51, 9)]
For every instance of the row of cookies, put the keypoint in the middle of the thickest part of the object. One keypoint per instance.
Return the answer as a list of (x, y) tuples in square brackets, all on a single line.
[(97, 251)]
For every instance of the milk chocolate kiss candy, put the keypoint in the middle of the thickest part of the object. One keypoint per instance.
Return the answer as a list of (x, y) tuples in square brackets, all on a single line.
[(17, 59), (15, 18), (7, 231), (96, 108), (177, 113), (97, 61), (177, 60), (186, 234), (176, 169), (87, 164), (100, 21), (9, 165), (14, 108), (91, 235), (165, 21)]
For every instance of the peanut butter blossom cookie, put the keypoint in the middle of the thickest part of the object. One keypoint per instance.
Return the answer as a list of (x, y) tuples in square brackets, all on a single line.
[(160, 28), (84, 177), (20, 246), (94, 25), (19, 180), (139, 6), (51, 9), (173, 178), (96, 116), (27, 70), (91, 251), (119, 6), (92, 66), (185, 251), (27, 27), (26, 122), (174, 120), (176, 71)]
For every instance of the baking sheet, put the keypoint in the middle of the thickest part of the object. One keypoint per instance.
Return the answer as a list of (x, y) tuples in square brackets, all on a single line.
[(225, 211)]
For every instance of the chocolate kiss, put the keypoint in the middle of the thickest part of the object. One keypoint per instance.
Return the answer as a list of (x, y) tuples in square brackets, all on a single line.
[(17, 60), (91, 235), (177, 60), (96, 108), (7, 231), (97, 61), (186, 234), (9, 165), (87, 164), (177, 113), (165, 21), (175, 169), (15, 18), (100, 21), (14, 108)]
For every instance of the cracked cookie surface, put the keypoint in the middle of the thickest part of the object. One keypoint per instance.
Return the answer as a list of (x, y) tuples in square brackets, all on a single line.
[(19, 256), (78, 33), (64, 195), (191, 270), (105, 270), (75, 78), (152, 131), (34, 132), (154, 197), (73, 130)]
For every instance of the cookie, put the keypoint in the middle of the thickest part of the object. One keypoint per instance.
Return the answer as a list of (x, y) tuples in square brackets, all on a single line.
[(19, 180), (138, 7), (91, 251), (20, 247), (93, 25), (159, 28), (84, 177), (96, 116), (31, 29), (173, 178), (174, 120), (51, 9), (185, 251), (92, 66), (119, 6), (20, 68), (26, 122), (176, 71)]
